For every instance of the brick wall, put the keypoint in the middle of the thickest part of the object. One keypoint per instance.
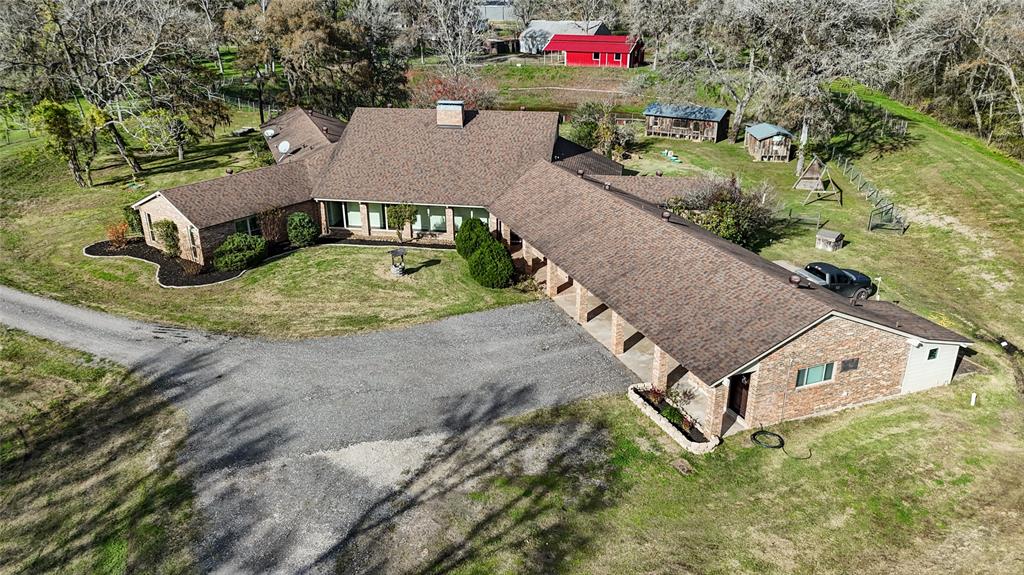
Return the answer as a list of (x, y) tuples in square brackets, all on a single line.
[(882, 359), (213, 236), (158, 209)]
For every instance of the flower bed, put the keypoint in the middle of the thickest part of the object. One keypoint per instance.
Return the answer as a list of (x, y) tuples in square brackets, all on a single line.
[(171, 272), (674, 422)]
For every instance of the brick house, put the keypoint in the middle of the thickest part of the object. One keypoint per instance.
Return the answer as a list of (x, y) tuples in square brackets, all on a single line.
[(753, 346)]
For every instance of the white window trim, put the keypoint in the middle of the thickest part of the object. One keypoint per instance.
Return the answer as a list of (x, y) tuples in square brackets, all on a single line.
[(817, 383)]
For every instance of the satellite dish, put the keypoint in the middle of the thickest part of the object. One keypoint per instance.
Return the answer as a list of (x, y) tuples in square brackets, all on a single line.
[(269, 132), (283, 147)]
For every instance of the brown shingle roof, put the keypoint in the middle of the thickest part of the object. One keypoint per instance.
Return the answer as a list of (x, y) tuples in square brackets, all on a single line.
[(655, 189), (305, 131), (241, 195), (573, 157), (709, 303), (401, 155)]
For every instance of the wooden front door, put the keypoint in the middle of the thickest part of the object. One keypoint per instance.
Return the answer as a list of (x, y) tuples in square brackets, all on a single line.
[(739, 386)]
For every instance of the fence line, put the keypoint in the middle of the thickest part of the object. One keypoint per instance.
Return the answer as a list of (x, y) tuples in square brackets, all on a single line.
[(885, 215)]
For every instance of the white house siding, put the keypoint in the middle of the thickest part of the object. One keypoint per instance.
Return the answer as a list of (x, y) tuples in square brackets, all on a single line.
[(923, 373)]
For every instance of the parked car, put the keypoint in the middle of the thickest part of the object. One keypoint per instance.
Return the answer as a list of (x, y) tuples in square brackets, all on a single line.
[(848, 283)]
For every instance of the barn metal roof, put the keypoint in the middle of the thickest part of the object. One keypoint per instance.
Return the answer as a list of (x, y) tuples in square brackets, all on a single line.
[(764, 131), (685, 112)]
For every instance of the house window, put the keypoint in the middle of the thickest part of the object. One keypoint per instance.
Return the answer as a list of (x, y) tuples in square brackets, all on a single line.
[(462, 214), (430, 219), (617, 57), (149, 224), (335, 214), (378, 216), (192, 242), (250, 225), (812, 375), (933, 353), (353, 218), (849, 364), (597, 56)]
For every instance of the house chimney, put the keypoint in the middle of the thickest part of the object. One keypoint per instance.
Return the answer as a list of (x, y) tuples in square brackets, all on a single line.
[(450, 113)]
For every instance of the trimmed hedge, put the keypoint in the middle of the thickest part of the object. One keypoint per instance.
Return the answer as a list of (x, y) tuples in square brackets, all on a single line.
[(471, 235), (238, 252), (302, 231), (491, 265), (167, 233), (133, 219)]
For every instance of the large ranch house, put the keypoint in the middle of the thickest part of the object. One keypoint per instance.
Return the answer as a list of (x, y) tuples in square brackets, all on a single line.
[(675, 303)]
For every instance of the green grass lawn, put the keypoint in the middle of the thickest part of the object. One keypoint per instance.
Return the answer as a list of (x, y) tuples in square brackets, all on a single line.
[(960, 261), (87, 467), (45, 221), (924, 484)]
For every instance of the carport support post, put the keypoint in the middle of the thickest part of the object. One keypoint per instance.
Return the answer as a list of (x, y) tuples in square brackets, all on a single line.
[(581, 303), (551, 287), (527, 258), (618, 334), (659, 370)]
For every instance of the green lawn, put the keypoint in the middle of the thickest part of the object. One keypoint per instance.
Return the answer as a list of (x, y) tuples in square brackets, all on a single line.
[(88, 457), (45, 221), (924, 484), (960, 261)]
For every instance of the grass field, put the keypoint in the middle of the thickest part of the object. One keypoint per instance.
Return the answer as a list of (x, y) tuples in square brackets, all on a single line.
[(88, 457), (45, 221), (924, 484), (961, 260)]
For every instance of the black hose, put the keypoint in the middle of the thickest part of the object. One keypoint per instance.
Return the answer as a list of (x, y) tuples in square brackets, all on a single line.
[(772, 440)]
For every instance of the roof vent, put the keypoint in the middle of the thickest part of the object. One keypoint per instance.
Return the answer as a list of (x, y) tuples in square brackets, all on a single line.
[(607, 185), (579, 173), (666, 215), (324, 129), (794, 280), (450, 113), (658, 173)]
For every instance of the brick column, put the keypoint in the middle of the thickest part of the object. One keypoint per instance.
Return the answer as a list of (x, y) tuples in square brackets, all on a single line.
[(552, 280), (324, 228), (506, 234), (582, 303), (407, 230), (527, 258), (364, 215), (618, 334), (492, 223), (717, 398), (659, 369), (449, 223)]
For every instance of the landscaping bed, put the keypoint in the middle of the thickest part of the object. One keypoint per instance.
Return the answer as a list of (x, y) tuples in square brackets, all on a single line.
[(673, 421), (171, 272)]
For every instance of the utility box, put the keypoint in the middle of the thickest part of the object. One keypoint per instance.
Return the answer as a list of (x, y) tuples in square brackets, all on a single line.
[(828, 240)]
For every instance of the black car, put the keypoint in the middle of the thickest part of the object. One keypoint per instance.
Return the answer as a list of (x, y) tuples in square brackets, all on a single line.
[(848, 283)]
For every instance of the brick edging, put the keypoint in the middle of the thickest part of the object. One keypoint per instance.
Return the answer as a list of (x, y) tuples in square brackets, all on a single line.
[(666, 425)]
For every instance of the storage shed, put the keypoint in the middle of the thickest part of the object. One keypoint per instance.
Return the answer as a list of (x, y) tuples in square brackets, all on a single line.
[(605, 51), (539, 32), (768, 143), (697, 123)]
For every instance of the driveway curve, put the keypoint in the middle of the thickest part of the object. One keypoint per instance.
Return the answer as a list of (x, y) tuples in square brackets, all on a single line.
[(291, 442)]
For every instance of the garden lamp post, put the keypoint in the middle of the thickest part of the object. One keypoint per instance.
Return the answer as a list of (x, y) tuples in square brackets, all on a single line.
[(397, 261)]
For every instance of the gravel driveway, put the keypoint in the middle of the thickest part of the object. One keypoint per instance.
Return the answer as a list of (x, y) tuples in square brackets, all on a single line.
[(291, 442)]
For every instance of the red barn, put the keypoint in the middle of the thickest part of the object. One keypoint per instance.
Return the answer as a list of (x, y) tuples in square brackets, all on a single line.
[(608, 51)]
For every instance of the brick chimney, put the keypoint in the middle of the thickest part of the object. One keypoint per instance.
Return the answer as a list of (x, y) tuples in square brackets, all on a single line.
[(450, 113)]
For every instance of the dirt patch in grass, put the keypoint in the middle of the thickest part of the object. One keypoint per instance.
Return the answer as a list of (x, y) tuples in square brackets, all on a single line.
[(924, 483), (88, 459)]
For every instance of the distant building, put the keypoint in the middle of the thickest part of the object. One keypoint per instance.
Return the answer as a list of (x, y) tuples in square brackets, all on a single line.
[(689, 121), (604, 51), (539, 32), (768, 143), (496, 10)]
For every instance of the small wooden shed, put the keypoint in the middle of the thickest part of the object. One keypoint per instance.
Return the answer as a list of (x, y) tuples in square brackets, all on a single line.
[(768, 143), (697, 123)]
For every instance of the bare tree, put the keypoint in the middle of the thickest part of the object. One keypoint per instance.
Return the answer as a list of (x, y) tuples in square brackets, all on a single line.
[(213, 10), (589, 11), (526, 10), (653, 20), (456, 27)]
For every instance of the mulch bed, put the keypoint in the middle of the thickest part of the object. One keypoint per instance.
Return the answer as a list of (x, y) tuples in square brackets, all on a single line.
[(659, 404), (171, 272)]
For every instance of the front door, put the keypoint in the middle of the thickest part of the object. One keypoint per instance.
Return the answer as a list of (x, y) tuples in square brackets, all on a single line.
[(739, 386)]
